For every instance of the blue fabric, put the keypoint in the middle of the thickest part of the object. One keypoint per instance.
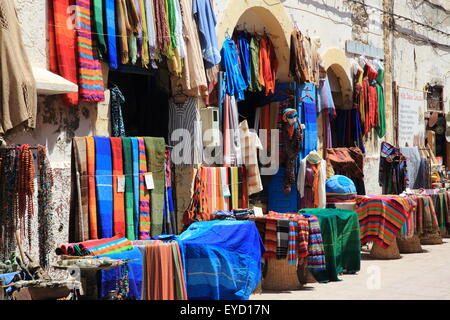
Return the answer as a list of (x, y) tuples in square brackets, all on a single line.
[(109, 278), (244, 55), (326, 98), (111, 31), (306, 108), (206, 22), (136, 193), (340, 184), (222, 259), (104, 187), (278, 201), (7, 279), (235, 84), (283, 92)]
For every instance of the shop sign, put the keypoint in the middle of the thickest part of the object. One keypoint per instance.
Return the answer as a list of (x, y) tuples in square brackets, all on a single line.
[(359, 49), (411, 121)]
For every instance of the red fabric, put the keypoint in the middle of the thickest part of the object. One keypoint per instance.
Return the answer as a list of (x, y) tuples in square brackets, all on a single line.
[(370, 94), (119, 197), (268, 65), (62, 41)]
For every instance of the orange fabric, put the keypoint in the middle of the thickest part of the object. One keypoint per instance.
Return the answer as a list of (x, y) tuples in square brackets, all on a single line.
[(316, 169), (118, 197), (90, 148), (268, 65)]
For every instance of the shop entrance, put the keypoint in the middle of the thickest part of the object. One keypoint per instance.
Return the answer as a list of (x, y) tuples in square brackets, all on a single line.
[(146, 111)]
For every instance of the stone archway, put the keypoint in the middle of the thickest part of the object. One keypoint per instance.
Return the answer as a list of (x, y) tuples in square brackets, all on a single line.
[(336, 60), (271, 15)]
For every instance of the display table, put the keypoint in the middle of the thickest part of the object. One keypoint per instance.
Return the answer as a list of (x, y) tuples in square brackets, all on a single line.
[(341, 240)]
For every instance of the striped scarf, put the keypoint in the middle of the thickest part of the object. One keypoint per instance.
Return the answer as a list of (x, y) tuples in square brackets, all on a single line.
[(316, 258), (91, 86), (90, 146), (144, 200), (292, 243)]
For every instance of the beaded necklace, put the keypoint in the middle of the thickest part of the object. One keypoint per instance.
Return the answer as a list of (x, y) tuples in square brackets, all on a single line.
[(122, 281), (26, 187)]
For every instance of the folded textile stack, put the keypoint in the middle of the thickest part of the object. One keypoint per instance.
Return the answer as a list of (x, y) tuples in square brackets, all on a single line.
[(340, 189)]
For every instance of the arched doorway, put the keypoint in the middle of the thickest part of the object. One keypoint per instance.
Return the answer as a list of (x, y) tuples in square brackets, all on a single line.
[(260, 14)]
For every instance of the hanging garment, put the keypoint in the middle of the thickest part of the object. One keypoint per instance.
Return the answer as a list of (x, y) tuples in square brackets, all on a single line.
[(18, 95), (413, 162), (117, 103), (244, 55), (206, 22), (93, 227), (320, 176), (255, 85), (81, 174), (393, 173), (155, 148), (184, 191), (316, 62), (144, 194), (193, 78), (91, 87), (145, 54), (381, 127), (232, 141), (162, 27), (235, 84), (98, 27), (104, 186), (298, 64), (119, 197), (181, 44), (135, 153), (250, 144), (186, 117), (268, 65), (310, 139), (151, 29), (293, 138), (340, 234), (62, 51), (123, 25), (110, 18), (135, 31), (129, 196)]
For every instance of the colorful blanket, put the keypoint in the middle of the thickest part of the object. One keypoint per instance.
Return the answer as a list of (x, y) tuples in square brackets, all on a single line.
[(381, 218), (90, 146), (144, 199), (119, 197), (129, 203)]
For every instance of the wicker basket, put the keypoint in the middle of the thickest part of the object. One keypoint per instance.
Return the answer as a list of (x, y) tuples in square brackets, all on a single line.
[(431, 239), (390, 253), (281, 276), (411, 245), (305, 275)]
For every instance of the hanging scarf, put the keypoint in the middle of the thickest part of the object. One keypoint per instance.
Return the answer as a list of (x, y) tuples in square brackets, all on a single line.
[(144, 199), (110, 9), (90, 146), (26, 187), (90, 70), (119, 197), (135, 152), (62, 46), (129, 203), (99, 27), (104, 186)]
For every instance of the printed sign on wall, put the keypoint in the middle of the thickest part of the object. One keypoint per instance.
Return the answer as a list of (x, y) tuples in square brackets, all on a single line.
[(411, 117)]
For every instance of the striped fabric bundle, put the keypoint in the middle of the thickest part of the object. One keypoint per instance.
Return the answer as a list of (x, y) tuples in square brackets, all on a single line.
[(292, 243), (340, 197), (282, 238), (90, 146), (119, 197), (144, 199), (115, 246), (129, 196), (316, 258), (91, 86), (270, 240), (409, 226), (136, 185), (381, 218)]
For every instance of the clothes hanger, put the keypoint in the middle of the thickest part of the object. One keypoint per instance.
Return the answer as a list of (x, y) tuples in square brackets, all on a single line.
[(307, 95)]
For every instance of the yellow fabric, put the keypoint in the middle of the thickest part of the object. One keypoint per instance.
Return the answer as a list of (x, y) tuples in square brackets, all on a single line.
[(234, 188)]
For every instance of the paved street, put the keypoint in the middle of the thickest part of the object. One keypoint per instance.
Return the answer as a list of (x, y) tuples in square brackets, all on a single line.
[(413, 277)]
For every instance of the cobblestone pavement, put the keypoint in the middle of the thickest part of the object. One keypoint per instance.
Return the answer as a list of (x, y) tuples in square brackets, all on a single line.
[(422, 276)]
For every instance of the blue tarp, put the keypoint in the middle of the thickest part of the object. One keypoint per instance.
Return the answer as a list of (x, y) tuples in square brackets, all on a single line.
[(8, 278), (222, 259)]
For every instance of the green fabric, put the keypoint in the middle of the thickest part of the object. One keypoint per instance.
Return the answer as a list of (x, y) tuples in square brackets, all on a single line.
[(255, 85), (179, 280), (98, 25), (172, 22), (341, 241), (381, 128), (155, 148), (442, 210), (129, 195)]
